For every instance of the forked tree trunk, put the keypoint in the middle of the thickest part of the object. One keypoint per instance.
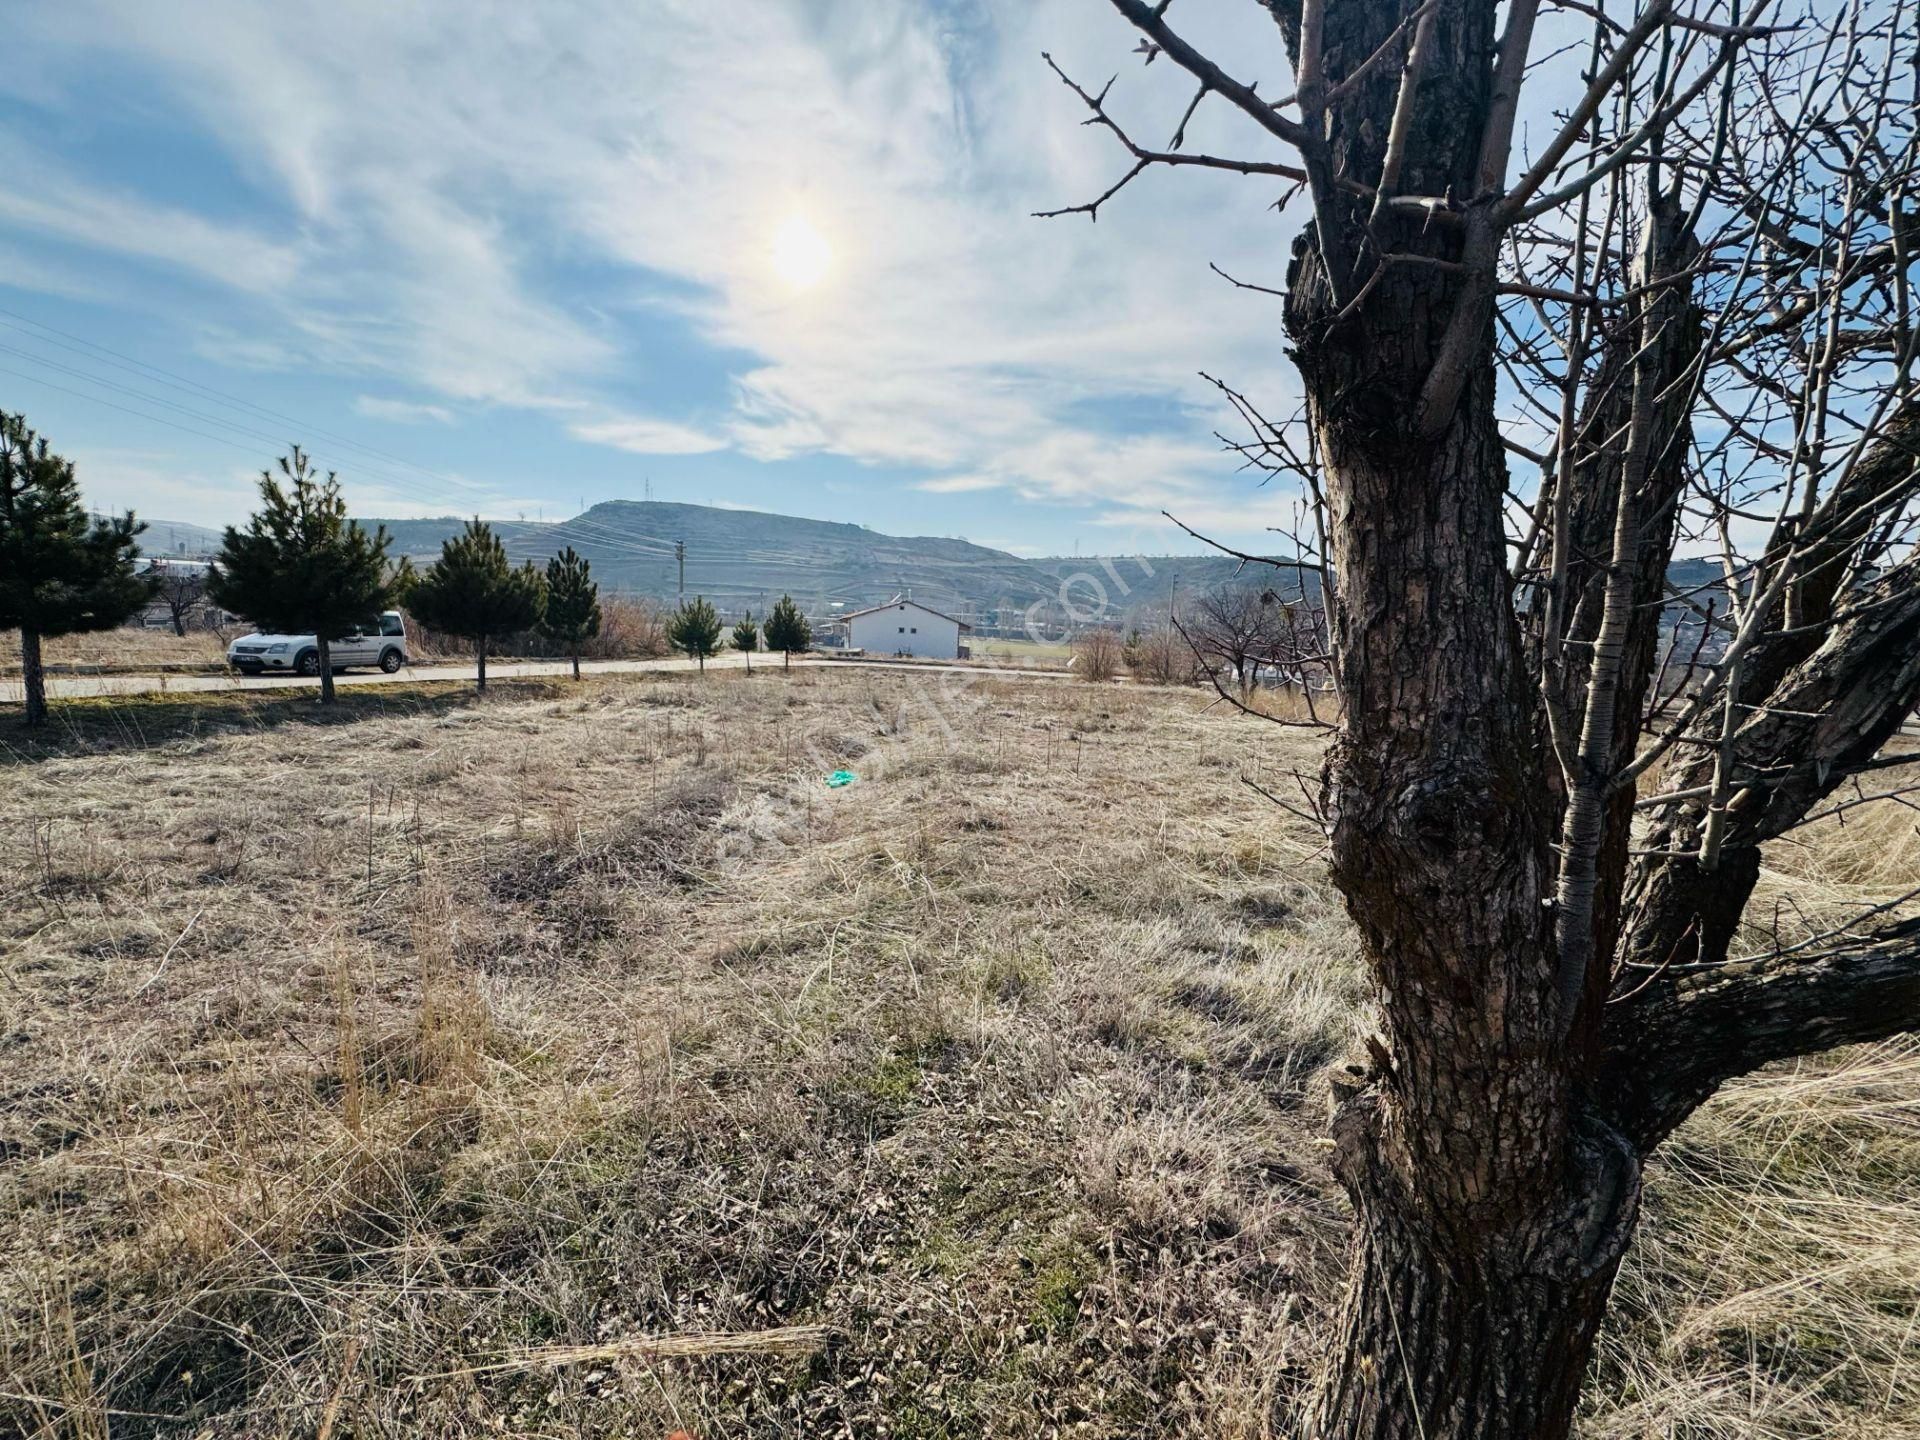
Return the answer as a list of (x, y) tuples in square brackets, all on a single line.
[(1491, 1136), (326, 670), (1491, 1206), (33, 677)]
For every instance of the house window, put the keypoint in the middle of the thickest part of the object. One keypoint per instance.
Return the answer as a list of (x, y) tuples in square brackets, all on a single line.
[(914, 631), (903, 629)]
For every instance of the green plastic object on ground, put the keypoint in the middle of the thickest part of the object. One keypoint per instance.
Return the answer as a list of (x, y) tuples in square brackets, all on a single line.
[(841, 777)]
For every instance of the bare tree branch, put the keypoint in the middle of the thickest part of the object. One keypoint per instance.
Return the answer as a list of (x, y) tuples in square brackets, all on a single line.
[(1672, 1045)]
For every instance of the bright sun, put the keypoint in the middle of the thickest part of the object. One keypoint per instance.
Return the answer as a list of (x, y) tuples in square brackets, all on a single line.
[(801, 254)]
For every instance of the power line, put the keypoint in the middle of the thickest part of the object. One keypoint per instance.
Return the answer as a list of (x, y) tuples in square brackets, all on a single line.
[(141, 395), (122, 361), (176, 381), (157, 419), (608, 540), (632, 543), (381, 476)]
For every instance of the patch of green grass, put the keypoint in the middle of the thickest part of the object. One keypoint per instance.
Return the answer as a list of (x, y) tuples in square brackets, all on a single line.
[(912, 1420), (894, 1079), (1061, 1269)]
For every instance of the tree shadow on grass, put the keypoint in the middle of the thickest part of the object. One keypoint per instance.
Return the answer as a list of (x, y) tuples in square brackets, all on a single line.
[(115, 724)]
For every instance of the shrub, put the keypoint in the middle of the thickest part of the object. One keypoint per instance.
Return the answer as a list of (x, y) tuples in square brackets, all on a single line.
[(1162, 657), (1096, 654)]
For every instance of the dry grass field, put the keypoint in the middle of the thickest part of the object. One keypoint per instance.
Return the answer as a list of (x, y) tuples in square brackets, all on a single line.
[(126, 647), (577, 1063), (1022, 654)]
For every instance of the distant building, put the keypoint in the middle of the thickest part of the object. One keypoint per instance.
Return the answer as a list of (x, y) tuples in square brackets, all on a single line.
[(905, 627)]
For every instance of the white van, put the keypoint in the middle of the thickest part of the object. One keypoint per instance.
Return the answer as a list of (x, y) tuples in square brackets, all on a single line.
[(381, 642)]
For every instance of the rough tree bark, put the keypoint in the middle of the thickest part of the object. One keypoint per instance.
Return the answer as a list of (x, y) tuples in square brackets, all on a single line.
[(1677, 1043), (33, 677), (326, 669), (1491, 1204)]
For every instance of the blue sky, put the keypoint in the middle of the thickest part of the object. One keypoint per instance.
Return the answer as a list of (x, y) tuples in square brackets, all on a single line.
[(509, 259)]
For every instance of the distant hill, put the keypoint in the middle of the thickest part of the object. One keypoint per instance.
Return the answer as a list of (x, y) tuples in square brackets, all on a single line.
[(177, 537), (1138, 589), (746, 559), (749, 558)]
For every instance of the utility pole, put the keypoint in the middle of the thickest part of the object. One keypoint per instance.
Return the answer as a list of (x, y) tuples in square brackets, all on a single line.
[(680, 554)]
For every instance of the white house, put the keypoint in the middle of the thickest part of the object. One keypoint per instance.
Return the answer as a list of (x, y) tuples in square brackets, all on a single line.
[(906, 627)]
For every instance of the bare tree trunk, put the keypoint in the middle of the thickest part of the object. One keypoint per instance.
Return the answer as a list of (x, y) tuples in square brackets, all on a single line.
[(1481, 1344), (1491, 1207), (33, 677), (576, 662), (1672, 1045), (326, 670), (1491, 1136), (1622, 502), (1818, 707), (480, 664)]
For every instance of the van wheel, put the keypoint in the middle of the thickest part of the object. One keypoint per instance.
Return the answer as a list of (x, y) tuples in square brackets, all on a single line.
[(391, 660), (307, 662)]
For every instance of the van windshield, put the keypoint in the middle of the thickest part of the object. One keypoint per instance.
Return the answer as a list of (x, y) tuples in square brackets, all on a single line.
[(390, 625)]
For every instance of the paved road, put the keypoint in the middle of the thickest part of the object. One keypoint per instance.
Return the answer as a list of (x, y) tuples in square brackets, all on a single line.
[(74, 686)]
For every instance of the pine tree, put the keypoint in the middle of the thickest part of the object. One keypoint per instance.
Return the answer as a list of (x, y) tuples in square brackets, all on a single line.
[(695, 628), (746, 639), (573, 604), (787, 629), (472, 591), (301, 566), (59, 572)]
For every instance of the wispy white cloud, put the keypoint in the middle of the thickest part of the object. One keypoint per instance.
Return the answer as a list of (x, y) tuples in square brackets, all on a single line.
[(20, 272), (161, 482), (36, 198), (950, 333), (959, 484), (643, 436), (401, 412)]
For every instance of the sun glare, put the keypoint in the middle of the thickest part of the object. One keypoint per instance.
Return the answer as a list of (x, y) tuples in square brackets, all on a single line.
[(801, 254)]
